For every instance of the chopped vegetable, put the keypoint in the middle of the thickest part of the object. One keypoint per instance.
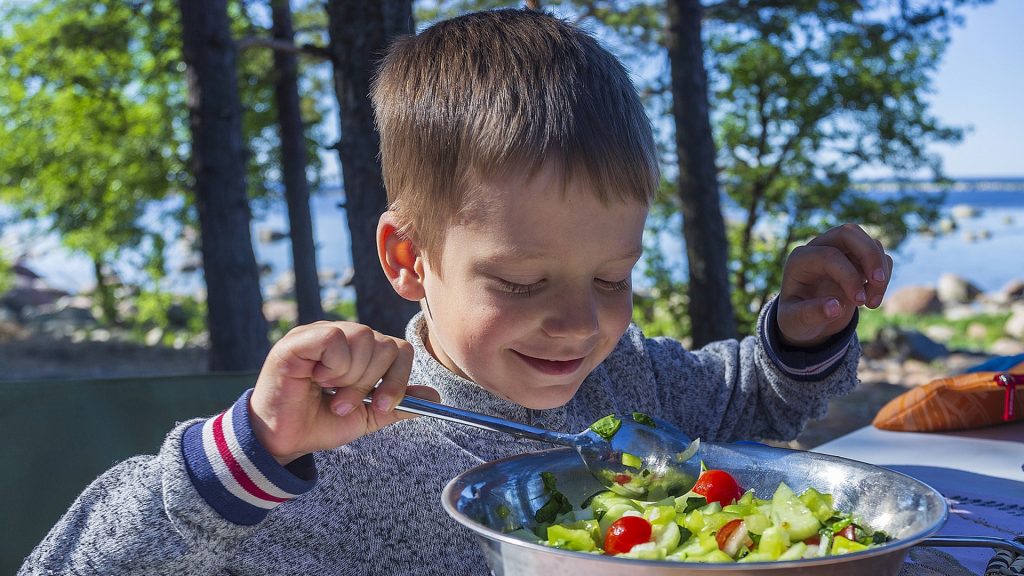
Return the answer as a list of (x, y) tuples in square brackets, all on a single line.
[(641, 418), (724, 524), (606, 427)]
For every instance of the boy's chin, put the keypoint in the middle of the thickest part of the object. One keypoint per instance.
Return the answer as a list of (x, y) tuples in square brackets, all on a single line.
[(546, 397)]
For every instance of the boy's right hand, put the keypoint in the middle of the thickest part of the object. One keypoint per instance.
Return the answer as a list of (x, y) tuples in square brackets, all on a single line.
[(290, 413)]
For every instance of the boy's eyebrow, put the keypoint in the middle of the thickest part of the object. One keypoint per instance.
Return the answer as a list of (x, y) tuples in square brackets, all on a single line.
[(518, 256)]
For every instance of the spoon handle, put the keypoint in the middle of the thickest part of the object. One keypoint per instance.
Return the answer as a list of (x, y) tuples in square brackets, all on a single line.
[(423, 407)]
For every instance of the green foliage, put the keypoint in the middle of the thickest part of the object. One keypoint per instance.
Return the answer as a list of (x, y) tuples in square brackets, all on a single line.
[(964, 337), (806, 96), (6, 276), (175, 314), (88, 104)]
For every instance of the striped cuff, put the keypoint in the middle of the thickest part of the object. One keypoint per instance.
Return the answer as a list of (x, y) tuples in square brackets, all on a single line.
[(234, 473), (805, 364)]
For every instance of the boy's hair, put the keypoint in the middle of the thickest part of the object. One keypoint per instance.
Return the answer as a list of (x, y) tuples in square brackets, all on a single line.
[(492, 94)]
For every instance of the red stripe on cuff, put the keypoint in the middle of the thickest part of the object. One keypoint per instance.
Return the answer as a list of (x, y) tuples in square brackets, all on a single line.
[(234, 467)]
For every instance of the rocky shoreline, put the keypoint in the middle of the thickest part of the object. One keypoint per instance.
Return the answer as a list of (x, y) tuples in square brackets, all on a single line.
[(61, 338)]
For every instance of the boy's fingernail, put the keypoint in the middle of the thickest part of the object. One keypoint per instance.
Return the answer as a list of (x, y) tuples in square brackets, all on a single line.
[(832, 308), (343, 409), (876, 301), (861, 297), (879, 275), (382, 404)]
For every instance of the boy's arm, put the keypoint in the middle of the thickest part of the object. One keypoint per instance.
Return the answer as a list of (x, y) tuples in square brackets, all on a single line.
[(754, 388), (176, 513)]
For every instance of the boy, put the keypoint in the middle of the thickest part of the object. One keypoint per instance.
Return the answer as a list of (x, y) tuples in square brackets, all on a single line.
[(519, 166)]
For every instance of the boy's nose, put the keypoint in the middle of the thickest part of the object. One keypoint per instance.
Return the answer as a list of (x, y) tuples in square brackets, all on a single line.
[(572, 316)]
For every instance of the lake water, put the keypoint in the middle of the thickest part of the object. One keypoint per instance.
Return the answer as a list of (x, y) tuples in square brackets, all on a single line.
[(987, 249)]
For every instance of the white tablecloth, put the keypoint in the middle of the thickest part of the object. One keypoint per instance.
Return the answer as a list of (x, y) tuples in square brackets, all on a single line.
[(979, 472)]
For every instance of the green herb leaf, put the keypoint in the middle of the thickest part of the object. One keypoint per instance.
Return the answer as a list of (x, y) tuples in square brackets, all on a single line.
[(641, 418)]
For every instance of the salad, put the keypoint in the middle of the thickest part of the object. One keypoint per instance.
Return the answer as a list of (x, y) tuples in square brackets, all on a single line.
[(716, 521)]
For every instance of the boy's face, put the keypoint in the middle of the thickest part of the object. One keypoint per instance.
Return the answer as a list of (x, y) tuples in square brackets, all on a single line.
[(534, 289)]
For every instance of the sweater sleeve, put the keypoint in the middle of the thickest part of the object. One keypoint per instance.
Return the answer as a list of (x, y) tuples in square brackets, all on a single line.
[(173, 513), (752, 388)]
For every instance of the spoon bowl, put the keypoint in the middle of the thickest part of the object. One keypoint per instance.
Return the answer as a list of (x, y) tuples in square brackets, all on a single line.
[(634, 455)]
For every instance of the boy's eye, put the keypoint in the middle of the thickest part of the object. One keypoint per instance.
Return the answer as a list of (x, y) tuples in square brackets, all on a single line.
[(610, 286), (518, 289)]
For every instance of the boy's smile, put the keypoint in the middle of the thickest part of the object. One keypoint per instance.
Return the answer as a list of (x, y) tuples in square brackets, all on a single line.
[(534, 287)]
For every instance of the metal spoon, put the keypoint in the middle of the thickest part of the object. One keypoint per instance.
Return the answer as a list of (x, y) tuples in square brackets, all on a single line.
[(643, 458)]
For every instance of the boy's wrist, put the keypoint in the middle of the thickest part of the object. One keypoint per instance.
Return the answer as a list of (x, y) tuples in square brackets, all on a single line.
[(234, 473), (805, 362)]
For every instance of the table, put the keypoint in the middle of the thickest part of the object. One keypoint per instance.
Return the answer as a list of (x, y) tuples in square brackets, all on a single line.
[(980, 472)]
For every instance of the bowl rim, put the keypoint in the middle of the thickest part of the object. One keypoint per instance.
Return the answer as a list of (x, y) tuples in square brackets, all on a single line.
[(455, 486)]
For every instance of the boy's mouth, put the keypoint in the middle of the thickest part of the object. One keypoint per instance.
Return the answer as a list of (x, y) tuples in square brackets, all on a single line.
[(552, 367)]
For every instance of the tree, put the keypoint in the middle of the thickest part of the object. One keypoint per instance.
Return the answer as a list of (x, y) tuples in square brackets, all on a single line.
[(359, 34), (88, 102), (238, 330), (710, 307), (293, 168), (809, 94)]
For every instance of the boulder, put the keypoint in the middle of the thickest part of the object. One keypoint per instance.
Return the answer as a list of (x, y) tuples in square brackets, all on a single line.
[(913, 300), (1014, 326), (908, 345), (953, 289), (1012, 291)]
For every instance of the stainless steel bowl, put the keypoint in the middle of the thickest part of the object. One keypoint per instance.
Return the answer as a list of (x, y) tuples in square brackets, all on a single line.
[(495, 496)]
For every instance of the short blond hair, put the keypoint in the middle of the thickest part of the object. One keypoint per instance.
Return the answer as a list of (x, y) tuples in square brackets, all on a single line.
[(494, 93)]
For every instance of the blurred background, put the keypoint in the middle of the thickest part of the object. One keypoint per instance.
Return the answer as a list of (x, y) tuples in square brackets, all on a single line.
[(181, 183)]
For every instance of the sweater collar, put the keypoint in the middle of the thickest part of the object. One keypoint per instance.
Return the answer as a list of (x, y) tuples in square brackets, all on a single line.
[(462, 393)]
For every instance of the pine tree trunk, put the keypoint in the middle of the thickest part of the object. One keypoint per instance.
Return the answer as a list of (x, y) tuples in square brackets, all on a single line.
[(711, 313), (293, 167), (360, 32), (238, 330)]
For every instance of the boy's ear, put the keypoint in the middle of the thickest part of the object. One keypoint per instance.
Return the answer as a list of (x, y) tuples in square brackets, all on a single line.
[(400, 258)]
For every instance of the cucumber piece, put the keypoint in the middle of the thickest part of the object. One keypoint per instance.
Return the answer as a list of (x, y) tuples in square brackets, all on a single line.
[(819, 504), (774, 541), (792, 515), (795, 552)]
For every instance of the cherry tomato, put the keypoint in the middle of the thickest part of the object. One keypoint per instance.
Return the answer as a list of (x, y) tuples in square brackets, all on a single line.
[(622, 478), (625, 533), (848, 532), (726, 531), (718, 486)]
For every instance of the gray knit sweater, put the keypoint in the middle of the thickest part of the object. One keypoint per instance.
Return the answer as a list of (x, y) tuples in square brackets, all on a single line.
[(373, 506)]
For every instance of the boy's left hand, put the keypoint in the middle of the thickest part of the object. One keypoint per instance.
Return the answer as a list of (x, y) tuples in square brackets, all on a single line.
[(825, 280)]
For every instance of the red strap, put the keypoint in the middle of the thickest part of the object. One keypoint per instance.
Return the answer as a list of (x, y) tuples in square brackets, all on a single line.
[(1010, 382)]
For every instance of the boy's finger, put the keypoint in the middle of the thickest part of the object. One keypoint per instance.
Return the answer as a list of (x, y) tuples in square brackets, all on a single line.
[(816, 312), (858, 245), (810, 261), (384, 357), (393, 383), (346, 351)]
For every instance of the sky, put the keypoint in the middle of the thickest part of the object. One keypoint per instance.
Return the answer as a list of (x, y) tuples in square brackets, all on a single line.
[(980, 84)]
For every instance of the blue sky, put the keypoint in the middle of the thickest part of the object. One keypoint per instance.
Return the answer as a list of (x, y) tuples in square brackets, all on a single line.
[(980, 84)]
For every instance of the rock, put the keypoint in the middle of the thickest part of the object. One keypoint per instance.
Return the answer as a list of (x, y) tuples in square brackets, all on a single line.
[(99, 335), (964, 211), (268, 235), (953, 289), (959, 312), (1007, 347), (913, 300), (1014, 326), (940, 333), (154, 336), (281, 311), (1012, 291), (976, 331), (910, 344)]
